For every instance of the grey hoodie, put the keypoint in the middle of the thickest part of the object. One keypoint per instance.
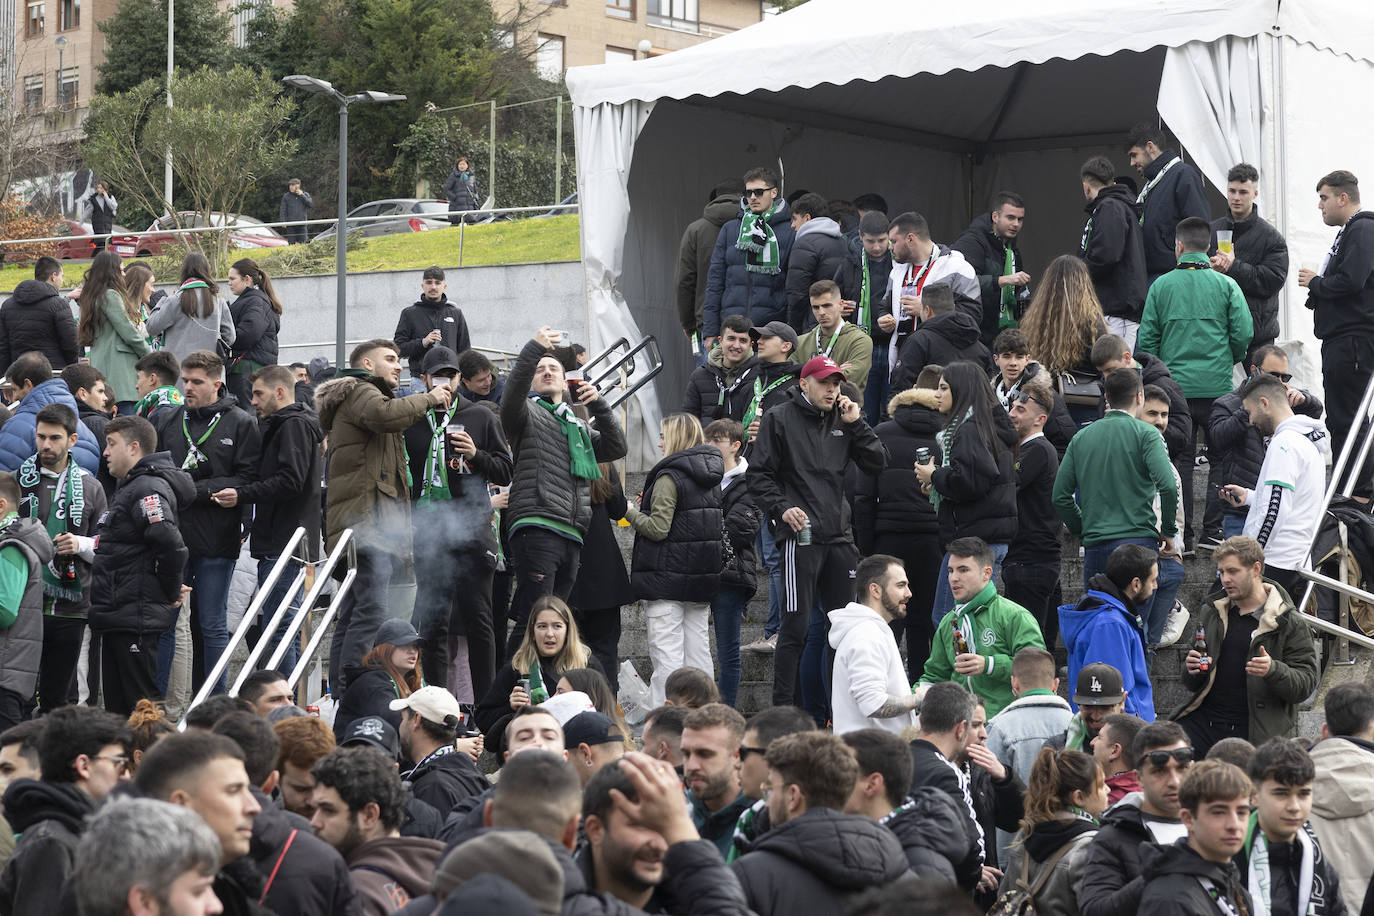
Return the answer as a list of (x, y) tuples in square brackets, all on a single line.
[(183, 334)]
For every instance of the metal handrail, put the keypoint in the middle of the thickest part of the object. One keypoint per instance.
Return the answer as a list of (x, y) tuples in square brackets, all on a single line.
[(313, 646), (270, 628), (249, 617), (322, 574)]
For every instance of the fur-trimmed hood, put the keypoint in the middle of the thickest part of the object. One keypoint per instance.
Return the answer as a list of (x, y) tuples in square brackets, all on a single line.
[(330, 395), (921, 397)]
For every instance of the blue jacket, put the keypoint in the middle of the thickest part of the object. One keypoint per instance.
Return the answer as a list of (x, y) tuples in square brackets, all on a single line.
[(1100, 628), (17, 435), (732, 289)]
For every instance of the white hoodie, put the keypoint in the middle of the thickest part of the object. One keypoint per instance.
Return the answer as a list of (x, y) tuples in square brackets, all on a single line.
[(868, 670), (1295, 465)]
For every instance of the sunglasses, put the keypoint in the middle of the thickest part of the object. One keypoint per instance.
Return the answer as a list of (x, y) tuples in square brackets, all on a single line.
[(1021, 397), (757, 192), (1284, 377), (744, 752), (1180, 755)]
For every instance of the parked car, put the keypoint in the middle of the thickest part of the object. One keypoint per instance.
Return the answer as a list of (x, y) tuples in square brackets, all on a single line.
[(244, 232), (566, 205), (412, 215), (80, 243)]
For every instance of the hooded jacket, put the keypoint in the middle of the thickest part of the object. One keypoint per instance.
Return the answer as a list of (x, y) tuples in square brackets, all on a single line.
[(286, 494), (49, 818), (933, 771), (1343, 810), (986, 252), (733, 289), (694, 258), (684, 564), (817, 861), (17, 434), (931, 830), (868, 671), (183, 334), (38, 317), (717, 392), (446, 779), (309, 876), (978, 486), (256, 325), (1197, 322), (817, 254), (1058, 896), (1236, 446), (1260, 269), (1177, 195), (229, 439), (741, 518), (1272, 700), (847, 346), (891, 501), (1342, 295), (1104, 626), (366, 460), (799, 459), (418, 320), (939, 341), (1016, 734), (1111, 880), (388, 871), (21, 643), (1113, 250), (1173, 883), (139, 553), (1321, 897)]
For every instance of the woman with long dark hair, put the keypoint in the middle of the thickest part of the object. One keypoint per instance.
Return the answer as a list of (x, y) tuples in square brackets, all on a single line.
[(972, 482), (194, 317), (1062, 322), (111, 327), (257, 319), (391, 671)]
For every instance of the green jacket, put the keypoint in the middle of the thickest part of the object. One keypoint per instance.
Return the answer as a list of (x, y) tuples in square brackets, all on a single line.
[(117, 347), (1273, 699), (854, 346), (1001, 628), (1116, 466), (1196, 320)]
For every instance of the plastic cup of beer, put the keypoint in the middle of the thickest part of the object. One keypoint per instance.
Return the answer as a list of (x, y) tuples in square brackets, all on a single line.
[(1224, 241)]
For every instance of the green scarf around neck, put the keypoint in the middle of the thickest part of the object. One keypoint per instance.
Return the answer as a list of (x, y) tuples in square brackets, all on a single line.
[(65, 513), (759, 243), (946, 439), (583, 459)]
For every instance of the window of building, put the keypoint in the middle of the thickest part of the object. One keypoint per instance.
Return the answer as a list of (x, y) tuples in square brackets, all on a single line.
[(548, 58), (673, 14), (71, 14), (68, 85), (619, 55), (620, 9), (33, 92), (37, 11)]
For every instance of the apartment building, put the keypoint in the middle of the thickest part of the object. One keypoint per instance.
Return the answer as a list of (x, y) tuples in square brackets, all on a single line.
[(56, 50)]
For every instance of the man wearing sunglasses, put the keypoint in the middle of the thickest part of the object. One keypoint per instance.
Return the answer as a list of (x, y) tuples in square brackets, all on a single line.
[(1112, 875)]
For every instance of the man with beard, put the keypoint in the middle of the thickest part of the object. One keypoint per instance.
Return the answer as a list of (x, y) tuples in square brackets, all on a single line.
[(1173, 192), (622, 858), (432, 321), (918, 262), (443, 775), (69, 502), (870, 682), (1095, 703), (989, 246), (711, 738)]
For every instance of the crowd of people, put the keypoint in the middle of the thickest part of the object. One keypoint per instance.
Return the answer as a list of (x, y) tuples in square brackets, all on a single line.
[(891, 436)]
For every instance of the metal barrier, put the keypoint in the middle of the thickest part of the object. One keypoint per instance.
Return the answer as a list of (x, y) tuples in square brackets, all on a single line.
[(345, 546), (624, 367)]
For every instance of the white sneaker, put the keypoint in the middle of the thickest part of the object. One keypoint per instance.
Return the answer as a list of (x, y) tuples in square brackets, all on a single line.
[(1174, 626), (763, 644)]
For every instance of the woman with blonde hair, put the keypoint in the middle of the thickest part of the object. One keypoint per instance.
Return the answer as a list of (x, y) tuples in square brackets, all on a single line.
[(257, 319), (194, 317), (1065, 796), (111, 326), (1062, 322), (679, 549)]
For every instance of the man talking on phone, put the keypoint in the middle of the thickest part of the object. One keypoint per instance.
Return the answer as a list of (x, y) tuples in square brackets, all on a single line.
[(796, 473), (556, 457)]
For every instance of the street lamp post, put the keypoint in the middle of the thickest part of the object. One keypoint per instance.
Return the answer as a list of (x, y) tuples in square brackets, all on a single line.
[(323, 87), (61, 42)]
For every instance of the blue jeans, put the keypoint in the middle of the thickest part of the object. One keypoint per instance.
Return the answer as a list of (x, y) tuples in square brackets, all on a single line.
[(269, 607), (728, 610), (1095, 557), (209, 578), (1232, 525), (944, 598), (1155, 612), (876, 390), (772, 561), (815, 665)]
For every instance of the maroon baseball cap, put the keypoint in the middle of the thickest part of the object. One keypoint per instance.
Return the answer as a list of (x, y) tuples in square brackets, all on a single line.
[(821, 367)]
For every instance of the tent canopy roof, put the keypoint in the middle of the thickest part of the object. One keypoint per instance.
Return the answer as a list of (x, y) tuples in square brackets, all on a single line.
[(836, 42)]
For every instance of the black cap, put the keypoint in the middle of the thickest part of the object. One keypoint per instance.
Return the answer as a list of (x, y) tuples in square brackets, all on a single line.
[(1099, 684), (777, 329), (439, 359), (373, 731), (398, 632), (591, 728)]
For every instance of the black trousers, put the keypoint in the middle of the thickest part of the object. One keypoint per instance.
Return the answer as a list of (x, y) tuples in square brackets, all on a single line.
[(11, 708), (453, 592), (1200, 409), (1292, 583), (1347, 364), (128, 665), (826, 570), (57, 670), (600, 630), (920, 555), (1035, 586), (545, 564), (1204, 731)]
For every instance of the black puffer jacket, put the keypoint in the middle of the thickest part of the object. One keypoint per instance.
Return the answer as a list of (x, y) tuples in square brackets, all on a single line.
[(931, 830), (1114, 252), (418, 320), (310, 877), (255, 328), (685, 565), (742, 521), (939, 341), (233, 455), (543, 484), (986, 253), (1178, 195), (1173, 885), (286, 495), (49, 818), (1112, 881), (21, 643), (1236, 446), (1260, 270), (139, 554), (733, 289), (816, 862), (36, 317), (891, 501), (978, 487), (714, 392), (446, 780)]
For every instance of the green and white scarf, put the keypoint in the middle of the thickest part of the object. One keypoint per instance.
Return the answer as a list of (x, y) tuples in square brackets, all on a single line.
[(1260, 879), (162, 396), (1076, 738), (65, 513), (583, 459), (759, 243), (435, 485), (946, 439), (861, 309), (1007, 317)]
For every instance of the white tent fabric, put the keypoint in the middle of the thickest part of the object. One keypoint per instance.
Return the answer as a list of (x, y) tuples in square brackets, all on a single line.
[(938, 106)]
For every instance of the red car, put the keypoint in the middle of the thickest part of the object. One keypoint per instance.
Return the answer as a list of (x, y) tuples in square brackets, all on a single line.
[(244, 232), (78, 242)]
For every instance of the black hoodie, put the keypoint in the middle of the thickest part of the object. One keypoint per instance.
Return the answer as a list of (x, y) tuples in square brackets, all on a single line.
[(1342, 296), (286, 494), (939, 341), (49, 818), (445, 780), (418, 320), (1112, 248), (37, 317), (1173, 883)]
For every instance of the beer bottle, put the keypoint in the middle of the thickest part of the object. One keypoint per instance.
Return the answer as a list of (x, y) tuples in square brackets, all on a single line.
[(960, 643), (1200, 646), (538, 692)]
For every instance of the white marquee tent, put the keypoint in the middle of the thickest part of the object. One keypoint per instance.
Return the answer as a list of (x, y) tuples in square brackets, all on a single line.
[(938, 105)]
